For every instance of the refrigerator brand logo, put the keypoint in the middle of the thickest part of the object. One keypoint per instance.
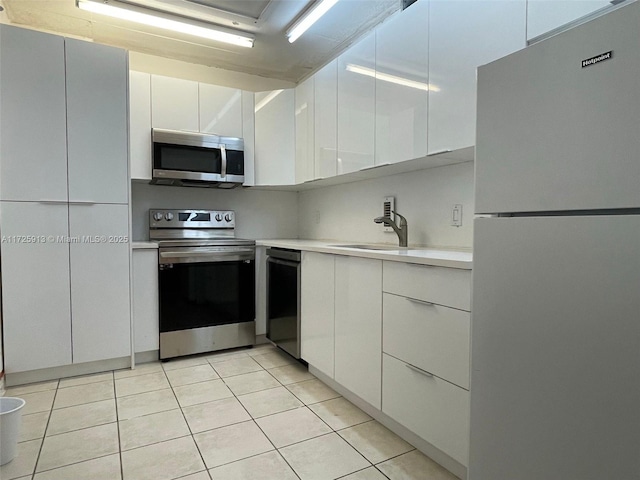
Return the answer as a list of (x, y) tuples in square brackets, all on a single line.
[(597, 59)]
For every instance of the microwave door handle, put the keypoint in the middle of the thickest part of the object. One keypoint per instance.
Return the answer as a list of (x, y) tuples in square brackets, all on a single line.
[(223, 154)]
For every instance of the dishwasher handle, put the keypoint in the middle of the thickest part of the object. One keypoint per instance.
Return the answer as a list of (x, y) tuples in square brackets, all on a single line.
[(286, 263)]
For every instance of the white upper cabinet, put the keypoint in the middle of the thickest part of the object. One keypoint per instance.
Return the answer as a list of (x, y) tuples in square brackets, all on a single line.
[(220, 110), (32, 87), (174, 104), (97, 136), (325, 120), (140, 125), (356, 106), (275, 138), (402, 82), (248, 134), (463, 36), (304, 112), (546, 15)]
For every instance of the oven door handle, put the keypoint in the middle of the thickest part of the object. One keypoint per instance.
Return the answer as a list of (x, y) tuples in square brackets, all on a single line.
[(167, 257), (286, 263)]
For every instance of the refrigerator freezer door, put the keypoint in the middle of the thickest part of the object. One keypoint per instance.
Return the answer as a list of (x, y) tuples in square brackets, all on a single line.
[(553, 135), (555, 383)]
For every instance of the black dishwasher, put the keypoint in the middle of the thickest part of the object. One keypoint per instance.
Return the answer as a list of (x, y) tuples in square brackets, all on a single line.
[(283, 299)]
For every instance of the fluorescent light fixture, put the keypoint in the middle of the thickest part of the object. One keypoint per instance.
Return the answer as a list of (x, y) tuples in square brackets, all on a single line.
[(132, 13), (267, 99), (312, 16), (386, 77)]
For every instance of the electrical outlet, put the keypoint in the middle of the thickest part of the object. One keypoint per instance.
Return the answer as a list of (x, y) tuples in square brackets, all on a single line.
[(388, 206), (456, 215)]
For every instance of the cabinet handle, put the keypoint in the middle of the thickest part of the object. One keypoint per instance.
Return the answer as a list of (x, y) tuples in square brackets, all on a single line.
[(88, 204), (419, 370), (223, 154), (421, 302), (439, 152)]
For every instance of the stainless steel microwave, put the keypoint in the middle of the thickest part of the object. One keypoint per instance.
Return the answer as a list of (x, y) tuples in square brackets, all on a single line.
[(195, 159)]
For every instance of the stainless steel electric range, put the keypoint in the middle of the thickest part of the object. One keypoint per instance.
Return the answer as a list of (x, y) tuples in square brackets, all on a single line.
[(206, 281)]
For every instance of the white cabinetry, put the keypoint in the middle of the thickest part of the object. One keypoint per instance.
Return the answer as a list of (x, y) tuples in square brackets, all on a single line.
[(325, 120), (402, 78), (356, 106), (220, 110), (304, 113), (97, 137), (317, 310), (35, 287), (358, 327), (546, 15), (248, 134), (33, 150), (462, 36), (100, 282), (146, 315), (275, 138), (140, 125), (174, 103)]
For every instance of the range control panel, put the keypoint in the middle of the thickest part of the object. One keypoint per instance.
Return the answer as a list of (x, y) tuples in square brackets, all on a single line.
[(191, 218)]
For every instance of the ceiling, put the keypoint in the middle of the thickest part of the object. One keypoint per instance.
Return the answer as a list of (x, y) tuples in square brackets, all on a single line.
[(272, 55)]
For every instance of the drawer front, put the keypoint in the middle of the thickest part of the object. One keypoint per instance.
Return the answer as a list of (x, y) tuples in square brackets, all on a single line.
[(429, 336), (445, 286), (430, 407)]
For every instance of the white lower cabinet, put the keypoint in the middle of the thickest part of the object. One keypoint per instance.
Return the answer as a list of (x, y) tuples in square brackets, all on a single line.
[(358, 326), (35, 286), (434, 409), (146, 315), (317, 310), (100, 304)]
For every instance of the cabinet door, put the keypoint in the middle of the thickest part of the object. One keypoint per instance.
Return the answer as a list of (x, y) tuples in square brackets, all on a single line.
[(546, 15), (248, 134), (317, 304), (220, 110), (35, 286), (145, 299), (100, 282), (304, 112), (462, 36), (174, 104), (326, 120), (356, 106), (97, 119), (33, 150), (140, 125), (402, 83), (358, 327), (275, 138)]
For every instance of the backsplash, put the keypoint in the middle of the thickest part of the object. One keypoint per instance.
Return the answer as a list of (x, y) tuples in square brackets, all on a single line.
[(425, 198), (259, 213)]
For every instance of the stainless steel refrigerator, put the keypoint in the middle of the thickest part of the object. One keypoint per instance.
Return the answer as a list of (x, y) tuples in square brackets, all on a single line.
[(555, 382)]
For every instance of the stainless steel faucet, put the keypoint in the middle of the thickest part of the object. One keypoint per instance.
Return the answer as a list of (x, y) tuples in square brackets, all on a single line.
[(402, 231)]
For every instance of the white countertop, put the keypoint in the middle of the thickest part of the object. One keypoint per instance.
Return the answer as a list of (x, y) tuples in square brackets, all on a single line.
[(140, 245), (452, 258)]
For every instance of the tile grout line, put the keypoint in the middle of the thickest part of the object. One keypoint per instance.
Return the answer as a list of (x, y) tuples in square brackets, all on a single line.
[(44, 435), (115, 401)]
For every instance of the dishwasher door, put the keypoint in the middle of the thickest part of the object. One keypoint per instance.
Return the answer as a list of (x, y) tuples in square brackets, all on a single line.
[(283, 300)]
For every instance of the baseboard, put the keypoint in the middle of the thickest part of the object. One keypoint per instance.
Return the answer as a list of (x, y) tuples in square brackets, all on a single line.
[(147, 357), (420, 443), (42, 375), (260, 339), (2, 389)]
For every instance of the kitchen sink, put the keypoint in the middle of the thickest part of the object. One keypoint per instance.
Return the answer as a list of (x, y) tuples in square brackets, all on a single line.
[(371, 247)]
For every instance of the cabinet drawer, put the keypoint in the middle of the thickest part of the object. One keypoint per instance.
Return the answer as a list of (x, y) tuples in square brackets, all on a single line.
[(432, 337), (445, 286), (432, 408)]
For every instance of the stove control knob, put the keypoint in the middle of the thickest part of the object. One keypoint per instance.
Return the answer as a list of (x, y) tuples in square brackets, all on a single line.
[(168, 216), (228, 217), (219, 217), (158, 216)]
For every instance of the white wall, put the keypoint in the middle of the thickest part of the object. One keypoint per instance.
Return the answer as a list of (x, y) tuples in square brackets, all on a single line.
[(426, 197), (259, 213)]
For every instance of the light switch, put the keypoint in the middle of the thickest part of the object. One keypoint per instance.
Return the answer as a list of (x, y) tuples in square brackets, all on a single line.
[(456, 215)]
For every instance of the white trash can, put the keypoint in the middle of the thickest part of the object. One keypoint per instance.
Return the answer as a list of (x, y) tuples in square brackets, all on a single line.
[(10, 424)]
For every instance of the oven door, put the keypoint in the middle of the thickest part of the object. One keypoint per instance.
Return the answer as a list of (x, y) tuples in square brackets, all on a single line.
[(207, 299)]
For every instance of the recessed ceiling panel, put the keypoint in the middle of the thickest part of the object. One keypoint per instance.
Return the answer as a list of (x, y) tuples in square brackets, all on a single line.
[(246, 8)]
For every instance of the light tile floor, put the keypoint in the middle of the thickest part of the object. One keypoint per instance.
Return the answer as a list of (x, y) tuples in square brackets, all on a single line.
[(242, 415)]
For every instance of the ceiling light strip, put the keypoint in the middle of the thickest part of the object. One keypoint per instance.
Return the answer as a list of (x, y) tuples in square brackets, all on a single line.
[(311, 17), (138, 15), (387, 77)]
